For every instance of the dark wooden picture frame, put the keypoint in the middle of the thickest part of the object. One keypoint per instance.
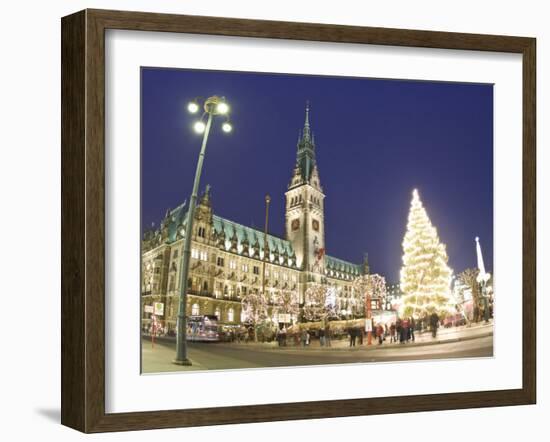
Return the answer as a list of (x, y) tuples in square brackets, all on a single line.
[(83, 220)]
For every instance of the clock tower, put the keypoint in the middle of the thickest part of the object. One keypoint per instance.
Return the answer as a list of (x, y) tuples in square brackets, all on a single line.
[(305, 220)]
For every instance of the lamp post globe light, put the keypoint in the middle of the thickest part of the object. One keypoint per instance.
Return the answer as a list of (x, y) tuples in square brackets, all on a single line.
[(213, 106)]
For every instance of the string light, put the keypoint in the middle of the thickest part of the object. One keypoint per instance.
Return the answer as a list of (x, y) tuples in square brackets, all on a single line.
[(425, 274)]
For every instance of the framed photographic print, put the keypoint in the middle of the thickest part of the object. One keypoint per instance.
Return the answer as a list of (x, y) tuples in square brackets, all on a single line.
[(267, 221)]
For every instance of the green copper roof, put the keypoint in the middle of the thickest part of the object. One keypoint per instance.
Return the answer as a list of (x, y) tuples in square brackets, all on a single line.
[(340, 265), (281, 250), (250, 235), (177, 218)]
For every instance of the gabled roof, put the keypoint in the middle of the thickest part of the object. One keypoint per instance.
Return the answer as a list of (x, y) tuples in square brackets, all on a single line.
[(177, 218)]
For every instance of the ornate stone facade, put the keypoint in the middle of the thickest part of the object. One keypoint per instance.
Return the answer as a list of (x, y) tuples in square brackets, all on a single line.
[(227, 257)]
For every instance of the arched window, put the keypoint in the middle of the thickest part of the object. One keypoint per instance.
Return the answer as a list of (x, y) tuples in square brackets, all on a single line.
[(205, 286), (195, 310), (190, 284), (171, 284), (218, 313), (231, 315)]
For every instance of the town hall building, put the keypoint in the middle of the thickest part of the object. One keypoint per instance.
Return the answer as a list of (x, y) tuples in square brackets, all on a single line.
[(227, 258)]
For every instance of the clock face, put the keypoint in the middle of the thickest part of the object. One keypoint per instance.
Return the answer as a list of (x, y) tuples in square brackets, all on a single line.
[(295, 224), (315, 225)]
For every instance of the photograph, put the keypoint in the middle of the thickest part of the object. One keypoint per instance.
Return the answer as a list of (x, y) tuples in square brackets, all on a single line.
[(292, 220)]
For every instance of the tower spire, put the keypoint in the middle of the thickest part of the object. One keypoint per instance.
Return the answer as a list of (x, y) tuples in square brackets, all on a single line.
[(305, 155), (307, 130)]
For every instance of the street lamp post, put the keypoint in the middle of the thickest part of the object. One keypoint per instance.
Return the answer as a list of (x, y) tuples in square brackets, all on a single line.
[(212, 106), (265, 257), (267, 201)]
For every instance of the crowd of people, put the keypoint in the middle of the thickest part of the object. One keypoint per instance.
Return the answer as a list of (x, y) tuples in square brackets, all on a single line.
[(402, 331)]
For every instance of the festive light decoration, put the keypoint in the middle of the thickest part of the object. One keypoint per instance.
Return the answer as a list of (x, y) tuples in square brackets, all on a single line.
[(425, 275), (316, 306), (254, 310), (286, 302), (373, 285)]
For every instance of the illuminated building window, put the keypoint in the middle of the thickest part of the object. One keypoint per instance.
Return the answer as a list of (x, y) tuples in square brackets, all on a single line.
[(195, 310), (231, 315), (171, 284)]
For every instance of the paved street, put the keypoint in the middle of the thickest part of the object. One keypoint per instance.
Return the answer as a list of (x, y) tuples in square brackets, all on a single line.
[(208, 356)]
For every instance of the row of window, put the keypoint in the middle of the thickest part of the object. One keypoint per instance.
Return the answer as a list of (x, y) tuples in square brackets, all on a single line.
[(298, 199), (220, 261), (199, 254)]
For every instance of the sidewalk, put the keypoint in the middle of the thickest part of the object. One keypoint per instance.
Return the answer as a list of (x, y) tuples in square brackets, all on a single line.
[(159, 359)]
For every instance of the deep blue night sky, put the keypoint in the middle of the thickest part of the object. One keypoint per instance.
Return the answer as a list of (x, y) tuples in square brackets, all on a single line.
[(376, 141)]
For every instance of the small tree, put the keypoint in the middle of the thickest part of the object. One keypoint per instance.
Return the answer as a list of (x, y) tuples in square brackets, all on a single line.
[(373, 285), (254, 309), (469, 278), (317, 306), (286, 302)]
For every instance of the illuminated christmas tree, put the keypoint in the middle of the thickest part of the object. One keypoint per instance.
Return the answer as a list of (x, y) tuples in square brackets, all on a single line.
[(425, 275)]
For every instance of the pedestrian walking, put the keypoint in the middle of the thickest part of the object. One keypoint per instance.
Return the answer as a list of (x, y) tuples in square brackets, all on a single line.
[(392, 333), (413, 326), (399, 326), (352, 336), (405, 327), (327, 334), (322, 336), (380, 333), (304, 337), (434, 323)]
